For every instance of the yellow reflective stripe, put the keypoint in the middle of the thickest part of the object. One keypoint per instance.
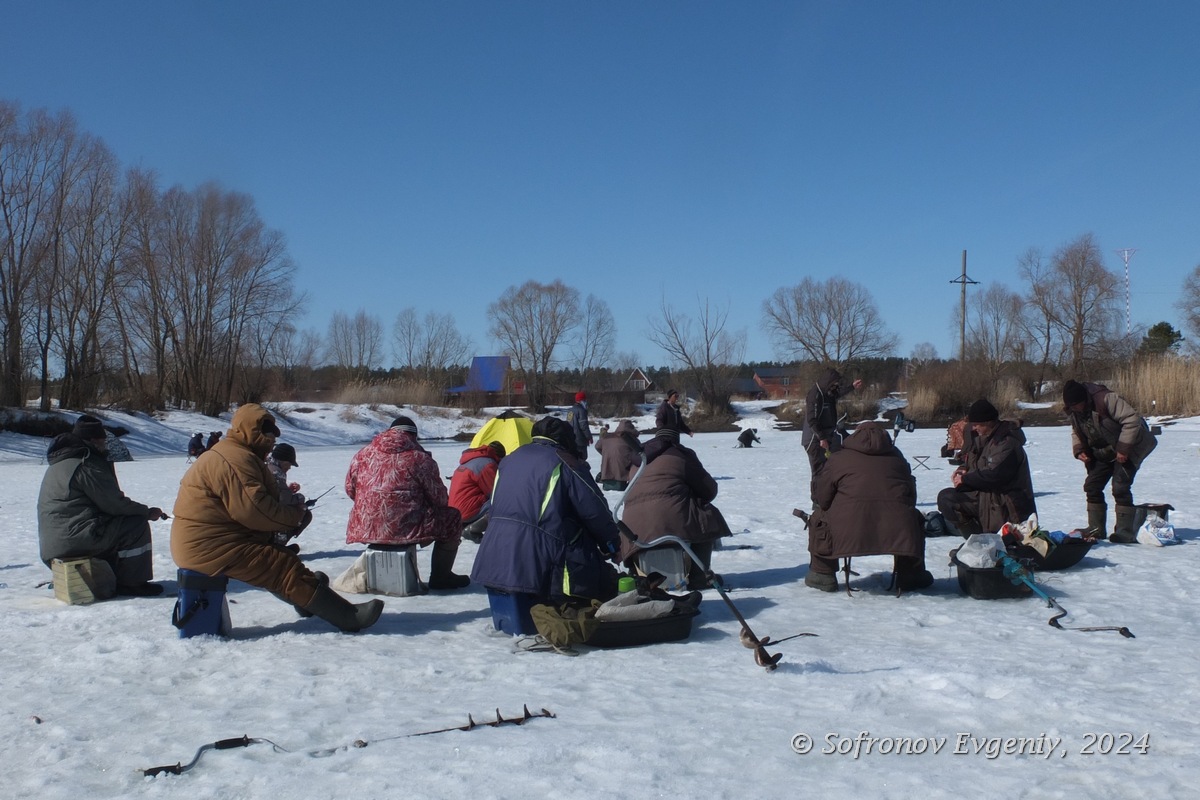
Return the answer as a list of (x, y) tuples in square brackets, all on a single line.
[(566, 583), (554, 476)]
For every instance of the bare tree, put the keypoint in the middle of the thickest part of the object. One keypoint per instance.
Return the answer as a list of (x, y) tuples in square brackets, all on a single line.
[(531, 322), (430, 345), (1189, 305), (704, 349), (355, 343), (995, 330), (923, 353), (1077, 296), (830, 322), (595, 337)]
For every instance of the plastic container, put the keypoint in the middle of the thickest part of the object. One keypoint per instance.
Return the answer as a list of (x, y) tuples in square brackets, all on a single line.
[(668, 561), (201, 608), (510, 612), (393, 572), (987, 583)]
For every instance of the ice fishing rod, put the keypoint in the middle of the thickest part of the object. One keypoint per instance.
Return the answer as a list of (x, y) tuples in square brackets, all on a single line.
[(246, 741), (313, 501), (1016, 572)]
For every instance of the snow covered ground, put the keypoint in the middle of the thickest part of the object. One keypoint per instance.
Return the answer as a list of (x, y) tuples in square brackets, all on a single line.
[(901, 697)]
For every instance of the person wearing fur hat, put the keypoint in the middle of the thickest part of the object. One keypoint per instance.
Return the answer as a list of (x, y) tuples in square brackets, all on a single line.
[(82, 512), (400, 500), (620, 456), (226, 517), (993, 485), (867, 505), (674, 497), (1112, 440), (550, 528), (577, 417)]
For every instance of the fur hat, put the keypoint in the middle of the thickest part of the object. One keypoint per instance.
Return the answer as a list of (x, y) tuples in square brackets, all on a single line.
[(558, 431), (580, 396), (1074, 392), (404, 424), (285, 452), (982, 411), (88, 427)]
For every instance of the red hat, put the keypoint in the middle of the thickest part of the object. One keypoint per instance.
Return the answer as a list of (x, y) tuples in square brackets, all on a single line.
[(580, 397)]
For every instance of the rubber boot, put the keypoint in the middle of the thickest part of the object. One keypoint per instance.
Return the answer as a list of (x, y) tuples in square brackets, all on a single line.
[(911, 573), (341, 613), (1123, 532), (821, 573), (1097, 514), (441, 578)]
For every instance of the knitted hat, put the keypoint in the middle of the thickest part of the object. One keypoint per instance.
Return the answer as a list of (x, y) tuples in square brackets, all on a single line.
[(404, 424), (580, 396), (558, 431), (88, 427), (672, 393), (498, 448), (1074, 392), (982, 411), (285, 452)]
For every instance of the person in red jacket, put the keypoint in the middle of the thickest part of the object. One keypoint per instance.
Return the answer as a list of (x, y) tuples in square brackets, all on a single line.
[(400, 500), (471, 487)]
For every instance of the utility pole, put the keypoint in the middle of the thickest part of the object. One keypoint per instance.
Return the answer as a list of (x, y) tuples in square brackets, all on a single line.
[(962, 330), (1126, 253)]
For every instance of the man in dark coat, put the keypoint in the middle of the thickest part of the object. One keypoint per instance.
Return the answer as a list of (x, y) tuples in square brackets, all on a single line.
[(577, 417), (669, 415), (992, 486), (1112, 440), (821, 436), (748, 437), (82, 511), (867, 505), (620, 456), (673, 497), (550, 528)]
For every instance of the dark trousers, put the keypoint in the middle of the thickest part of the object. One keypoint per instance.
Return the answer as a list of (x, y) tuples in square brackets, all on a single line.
[(1098, 475), (960, 509)]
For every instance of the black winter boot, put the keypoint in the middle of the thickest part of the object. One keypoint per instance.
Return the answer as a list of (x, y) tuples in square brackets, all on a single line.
[(341, 613), (441, 576), (821, 580), (1097, 515), (1124, 533)]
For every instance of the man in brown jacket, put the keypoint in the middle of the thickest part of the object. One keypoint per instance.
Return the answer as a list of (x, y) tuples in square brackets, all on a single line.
[(867, 505), (1112, 440), (228, 511)]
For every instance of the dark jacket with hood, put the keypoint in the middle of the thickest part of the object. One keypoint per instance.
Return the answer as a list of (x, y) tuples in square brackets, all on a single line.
[(78, 498), (550, 527), (1109, 425), (867, 500), (820, 411), (672, 497), (620, 452), (998, 469)]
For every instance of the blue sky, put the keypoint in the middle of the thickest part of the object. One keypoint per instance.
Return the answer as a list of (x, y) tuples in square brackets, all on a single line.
[(431, 154)]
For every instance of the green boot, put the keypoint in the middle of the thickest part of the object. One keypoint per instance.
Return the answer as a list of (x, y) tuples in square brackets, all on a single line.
[(1097, 514), (1124, 533), (341, 613)]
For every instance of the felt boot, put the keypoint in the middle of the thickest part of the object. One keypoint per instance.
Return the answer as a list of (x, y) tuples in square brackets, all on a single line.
[(441, 578), (1097, 514), (341, 613), (1123, 532)]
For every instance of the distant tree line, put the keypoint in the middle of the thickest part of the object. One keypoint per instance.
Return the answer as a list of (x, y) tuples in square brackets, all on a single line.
[(114, 290)]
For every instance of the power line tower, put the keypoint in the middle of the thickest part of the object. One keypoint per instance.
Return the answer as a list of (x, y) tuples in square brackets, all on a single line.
[(1126, 253), (962, 330)]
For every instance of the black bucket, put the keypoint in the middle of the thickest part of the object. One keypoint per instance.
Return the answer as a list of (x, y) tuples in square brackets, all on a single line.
[(987, 583)]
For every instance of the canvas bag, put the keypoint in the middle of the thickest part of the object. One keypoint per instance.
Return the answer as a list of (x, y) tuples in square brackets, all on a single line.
[(565, 625)]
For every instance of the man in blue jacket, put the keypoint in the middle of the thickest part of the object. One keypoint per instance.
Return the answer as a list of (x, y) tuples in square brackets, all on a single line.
[(550, 529)]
